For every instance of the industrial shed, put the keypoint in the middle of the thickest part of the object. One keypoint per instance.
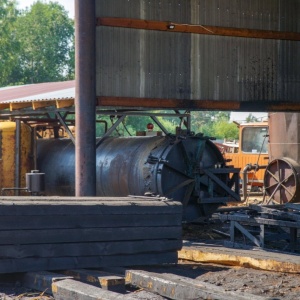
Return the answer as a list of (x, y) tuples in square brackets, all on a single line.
[(177, 55), (240, 55), (197, 54), (132, 57)]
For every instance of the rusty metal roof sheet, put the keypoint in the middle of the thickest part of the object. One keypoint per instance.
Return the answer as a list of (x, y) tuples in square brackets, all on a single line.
[(38, 92)]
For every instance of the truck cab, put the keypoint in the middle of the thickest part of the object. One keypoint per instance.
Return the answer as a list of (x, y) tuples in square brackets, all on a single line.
[(251, 153)]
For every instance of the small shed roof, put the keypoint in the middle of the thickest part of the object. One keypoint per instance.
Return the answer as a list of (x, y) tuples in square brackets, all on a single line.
[(60, 94)]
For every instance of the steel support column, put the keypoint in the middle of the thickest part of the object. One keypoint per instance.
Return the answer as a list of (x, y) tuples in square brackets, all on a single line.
[(85, 98), (17, 156)]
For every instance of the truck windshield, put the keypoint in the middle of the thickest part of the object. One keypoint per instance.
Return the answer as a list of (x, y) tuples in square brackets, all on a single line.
[(254, 140)]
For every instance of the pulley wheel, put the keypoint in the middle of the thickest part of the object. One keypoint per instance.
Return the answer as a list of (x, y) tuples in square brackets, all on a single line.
[(281, 181)]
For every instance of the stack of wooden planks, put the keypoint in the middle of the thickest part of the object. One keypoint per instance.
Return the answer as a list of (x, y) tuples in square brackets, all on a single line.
[(54, 233)]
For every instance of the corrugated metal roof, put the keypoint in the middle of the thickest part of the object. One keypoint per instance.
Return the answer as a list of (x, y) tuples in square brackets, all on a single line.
[(38, 92)]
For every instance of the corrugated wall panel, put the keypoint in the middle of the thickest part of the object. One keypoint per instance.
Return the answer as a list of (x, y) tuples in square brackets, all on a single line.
[(142, 63)]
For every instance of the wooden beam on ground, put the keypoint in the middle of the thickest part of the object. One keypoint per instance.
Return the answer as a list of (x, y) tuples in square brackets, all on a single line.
[(88, 248), (284, 215), (87, 235), (263, 260), (104, 280), (42, 281), (87, 232), (54, 205), (178, 287), (295, 206), (82, 262), (70, 289), (198, 29), (87, 221), (256, 221)]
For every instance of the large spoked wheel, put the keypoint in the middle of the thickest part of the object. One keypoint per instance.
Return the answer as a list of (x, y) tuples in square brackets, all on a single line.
[(281, 181)]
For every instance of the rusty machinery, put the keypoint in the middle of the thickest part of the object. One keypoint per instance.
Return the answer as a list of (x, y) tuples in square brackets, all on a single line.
[(184, 166), (250, 154)]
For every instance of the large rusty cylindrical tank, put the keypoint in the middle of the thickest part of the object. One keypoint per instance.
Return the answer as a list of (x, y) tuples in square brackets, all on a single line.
[(282, 175), (165, 166)]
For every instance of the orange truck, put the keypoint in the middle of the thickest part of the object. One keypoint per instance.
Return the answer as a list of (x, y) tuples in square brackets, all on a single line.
[(250, 154)]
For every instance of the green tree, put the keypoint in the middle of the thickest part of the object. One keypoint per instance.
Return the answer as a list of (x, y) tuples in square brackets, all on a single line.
[(9, 45), (250, 118), (203, 121), (46, 37), (226, 130)]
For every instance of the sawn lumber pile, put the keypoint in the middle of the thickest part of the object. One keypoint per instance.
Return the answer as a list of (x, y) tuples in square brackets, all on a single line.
[(54, 233)]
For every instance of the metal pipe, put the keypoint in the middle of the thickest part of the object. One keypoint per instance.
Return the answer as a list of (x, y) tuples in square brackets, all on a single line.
[(160, 125), (105, 124), (85, 98), (33, 147), (248, 167), (17, 156), (110, 130)]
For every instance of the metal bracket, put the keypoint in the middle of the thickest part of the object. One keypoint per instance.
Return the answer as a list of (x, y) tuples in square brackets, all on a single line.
[(235, 225), (212, 176), (62, 121), (110, 130)]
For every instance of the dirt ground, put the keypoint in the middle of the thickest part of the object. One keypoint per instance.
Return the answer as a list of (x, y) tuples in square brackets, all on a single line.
[(268, 284), (272, 285)]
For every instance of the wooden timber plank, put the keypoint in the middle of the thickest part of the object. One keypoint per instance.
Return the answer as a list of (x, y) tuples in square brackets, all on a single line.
[(75, 235), (259, 259), (42, 281), (257, 221), (276, 213), (87, 221), (105, 280), (132, 199), (70, 289), (90, 207), (62, 103), (197, 28), (190, 104), (89, 249), (17, 105), (178, 287), (62, 263), (295, 206), (167, 103), (4, 106), (42, 104)]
